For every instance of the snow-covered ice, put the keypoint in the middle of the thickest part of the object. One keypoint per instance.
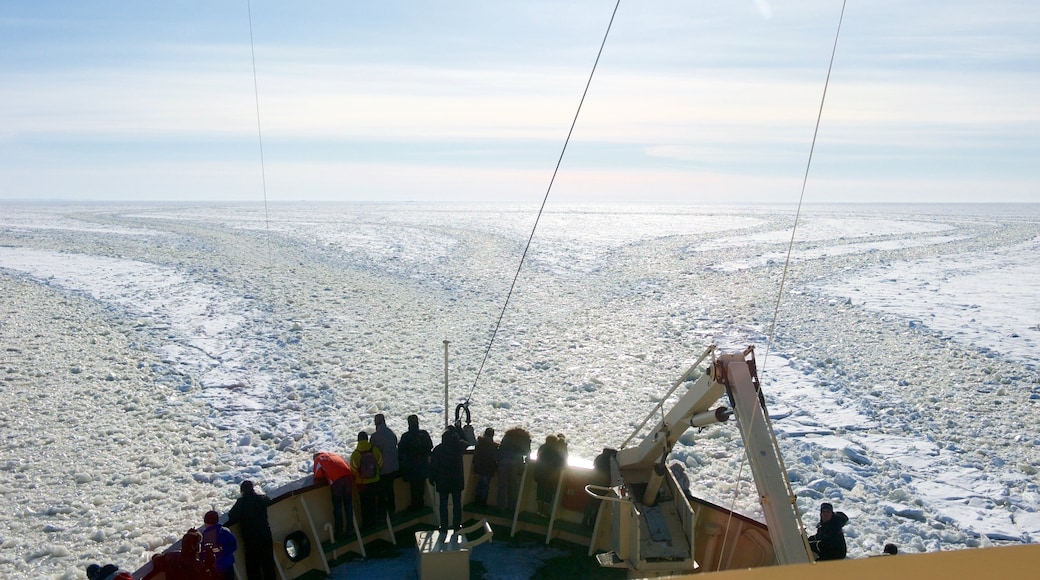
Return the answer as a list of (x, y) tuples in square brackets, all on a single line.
[(153, 356)]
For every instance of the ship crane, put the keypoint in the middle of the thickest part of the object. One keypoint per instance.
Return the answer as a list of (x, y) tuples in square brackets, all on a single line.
[(654, 521)]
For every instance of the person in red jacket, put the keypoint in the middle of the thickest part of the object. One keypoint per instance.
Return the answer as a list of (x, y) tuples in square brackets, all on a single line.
[(335, 470)]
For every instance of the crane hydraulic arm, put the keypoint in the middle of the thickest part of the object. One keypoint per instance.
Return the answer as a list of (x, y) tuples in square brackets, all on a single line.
[(736, 376)]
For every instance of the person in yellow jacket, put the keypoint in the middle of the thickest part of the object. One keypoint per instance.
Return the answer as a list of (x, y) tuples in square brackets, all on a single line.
[(367, 462)]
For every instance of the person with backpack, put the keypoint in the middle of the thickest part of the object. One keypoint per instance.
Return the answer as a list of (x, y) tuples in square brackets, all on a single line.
[(366, 461), (221, 543), (335, 470), (413, 453)]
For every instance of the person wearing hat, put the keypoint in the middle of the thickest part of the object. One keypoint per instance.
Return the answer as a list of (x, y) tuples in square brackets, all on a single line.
[(828, 543), (222, 543), (250, 512)]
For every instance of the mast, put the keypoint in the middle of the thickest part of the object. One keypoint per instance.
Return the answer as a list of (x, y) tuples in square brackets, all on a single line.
[(446, 419)]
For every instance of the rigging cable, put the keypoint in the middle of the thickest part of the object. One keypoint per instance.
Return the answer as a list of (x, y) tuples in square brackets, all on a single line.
[(259, 132), (780, 293), (545, 199), (805, 180)]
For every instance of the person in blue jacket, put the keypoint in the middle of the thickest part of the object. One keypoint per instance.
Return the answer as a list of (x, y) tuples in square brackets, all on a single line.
[(222, 543)]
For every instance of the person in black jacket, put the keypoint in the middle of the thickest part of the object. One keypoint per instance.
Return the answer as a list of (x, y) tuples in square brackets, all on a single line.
[(601, 477), (828, 543), (512, 453), (447, 473), (552, 458), (250, 512), (485, 464), (413, 454)]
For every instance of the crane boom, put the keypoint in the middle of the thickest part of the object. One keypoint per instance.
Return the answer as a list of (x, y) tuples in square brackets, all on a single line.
[(735, 376)]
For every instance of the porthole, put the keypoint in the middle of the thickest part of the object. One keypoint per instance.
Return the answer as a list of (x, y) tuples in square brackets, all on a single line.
[(297, 546)]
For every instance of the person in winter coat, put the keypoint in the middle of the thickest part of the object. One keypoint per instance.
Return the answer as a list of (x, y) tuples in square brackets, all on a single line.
[(222, 543), (367, 462), (107, 572), (386, 441), (335, 470), (828, 543), (250, 512), (447, 473), (552, 458), (191, 562), (601, 477), (512, 452), (485, 464), (413, 454)]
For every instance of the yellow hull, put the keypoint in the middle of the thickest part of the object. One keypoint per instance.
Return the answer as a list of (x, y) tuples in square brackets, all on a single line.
[(979, 563)]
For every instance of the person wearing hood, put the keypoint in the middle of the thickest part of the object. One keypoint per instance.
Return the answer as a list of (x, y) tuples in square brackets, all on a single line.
[(413, 454), (447, 473), (367, 462), (828, 543)]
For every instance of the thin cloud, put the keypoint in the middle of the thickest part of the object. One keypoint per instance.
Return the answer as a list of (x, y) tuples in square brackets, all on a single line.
[(719, 90)]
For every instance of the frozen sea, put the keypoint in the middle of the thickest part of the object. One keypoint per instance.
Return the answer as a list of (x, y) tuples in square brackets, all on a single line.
[(153, 356)]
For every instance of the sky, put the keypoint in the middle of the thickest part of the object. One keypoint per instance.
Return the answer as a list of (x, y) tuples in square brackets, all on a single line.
[(692, 101)]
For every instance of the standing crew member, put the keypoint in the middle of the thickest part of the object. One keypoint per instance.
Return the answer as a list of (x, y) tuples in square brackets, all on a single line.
[(512, 452), (386, 441), (222, 543), (485, 464), (552, 459), (447, 472), (250, 512), (414, 457), (335, 470), (366, 461)]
